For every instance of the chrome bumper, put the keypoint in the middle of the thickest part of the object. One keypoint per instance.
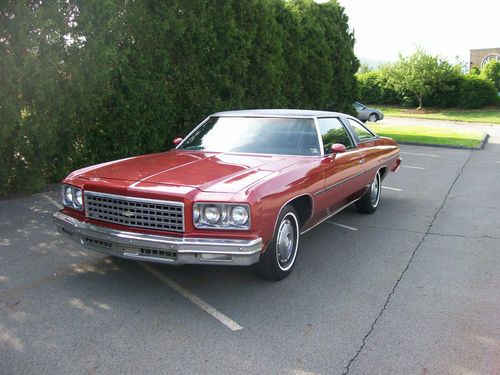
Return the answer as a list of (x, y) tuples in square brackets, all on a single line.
[(159, 249)]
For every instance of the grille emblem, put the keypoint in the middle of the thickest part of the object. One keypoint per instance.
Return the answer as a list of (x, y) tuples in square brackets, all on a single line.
[(127, 213)]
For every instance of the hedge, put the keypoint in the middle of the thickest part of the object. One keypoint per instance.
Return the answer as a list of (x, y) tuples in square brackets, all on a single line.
[(89, 81), (475, 92), (463, 91), (373, 88)]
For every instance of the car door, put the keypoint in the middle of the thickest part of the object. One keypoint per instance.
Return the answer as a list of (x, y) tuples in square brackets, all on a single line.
[(367, 146), (342, 171)]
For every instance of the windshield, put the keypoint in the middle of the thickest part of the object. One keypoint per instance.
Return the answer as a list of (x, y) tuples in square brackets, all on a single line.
[(286, 136)]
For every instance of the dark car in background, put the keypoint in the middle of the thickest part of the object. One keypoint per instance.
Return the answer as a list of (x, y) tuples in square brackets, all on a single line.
[(367, 114)]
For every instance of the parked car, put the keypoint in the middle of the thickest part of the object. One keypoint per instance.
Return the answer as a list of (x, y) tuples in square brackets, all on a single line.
[(239, 189), (367, 114)]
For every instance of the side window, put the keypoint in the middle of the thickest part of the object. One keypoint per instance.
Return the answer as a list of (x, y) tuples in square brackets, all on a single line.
[(362, 132), (332, 131)]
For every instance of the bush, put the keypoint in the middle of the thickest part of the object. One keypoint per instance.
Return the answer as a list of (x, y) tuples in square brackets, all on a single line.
[(446, 93), (475, 92), (491, 71), (373, 88), (89, 81)]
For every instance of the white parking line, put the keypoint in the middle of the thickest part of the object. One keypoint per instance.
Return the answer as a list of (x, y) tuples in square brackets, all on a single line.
[(391, 188), (342, 225), (411, 167), (416, 153), (228, 322), (52, 200)]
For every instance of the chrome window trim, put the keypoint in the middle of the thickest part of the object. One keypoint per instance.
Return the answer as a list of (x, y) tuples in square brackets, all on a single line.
[(255, 153), (191, 132), (349, 134), (320, 140), (359, 140)]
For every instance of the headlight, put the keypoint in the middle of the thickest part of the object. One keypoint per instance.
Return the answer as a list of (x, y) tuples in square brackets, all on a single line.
[(196, 213), (72, 197), (239, 215), (78, 198), (211, 214), (221, 216), (68, 195)]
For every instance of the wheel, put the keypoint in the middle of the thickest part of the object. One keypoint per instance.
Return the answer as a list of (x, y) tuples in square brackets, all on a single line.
[(373, 117), (370, 200), (277, 261)]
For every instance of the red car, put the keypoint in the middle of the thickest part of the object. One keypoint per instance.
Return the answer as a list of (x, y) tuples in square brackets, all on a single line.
[(238, 190)]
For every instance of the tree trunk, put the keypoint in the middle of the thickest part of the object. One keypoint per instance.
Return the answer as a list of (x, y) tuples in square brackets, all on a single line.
[(420, 101)]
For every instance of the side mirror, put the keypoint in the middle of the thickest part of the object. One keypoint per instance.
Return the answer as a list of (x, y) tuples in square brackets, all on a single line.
[(338, 148), (177, 140)]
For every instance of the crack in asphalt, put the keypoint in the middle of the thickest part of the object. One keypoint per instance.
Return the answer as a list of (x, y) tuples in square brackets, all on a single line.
[(485, 236), (427, 232), (394, 229)]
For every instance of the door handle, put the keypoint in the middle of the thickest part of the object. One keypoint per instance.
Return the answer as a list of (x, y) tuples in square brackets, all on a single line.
[(361, 161)]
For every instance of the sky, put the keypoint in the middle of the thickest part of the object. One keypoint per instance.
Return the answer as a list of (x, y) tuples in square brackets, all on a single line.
[(384, 28)]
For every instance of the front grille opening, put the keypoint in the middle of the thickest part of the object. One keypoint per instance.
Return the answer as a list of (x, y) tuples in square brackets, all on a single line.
[(93, 242), (157, 253), (134, 212)]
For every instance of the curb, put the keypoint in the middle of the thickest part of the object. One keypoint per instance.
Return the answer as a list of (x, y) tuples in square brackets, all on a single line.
[(481, 145)]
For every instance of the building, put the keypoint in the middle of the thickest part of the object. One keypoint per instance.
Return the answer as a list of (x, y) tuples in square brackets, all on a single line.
[(479, 57)]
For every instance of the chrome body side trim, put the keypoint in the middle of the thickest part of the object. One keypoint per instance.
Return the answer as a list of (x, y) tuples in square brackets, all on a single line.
[(177, 250), (329, 216), (338, 183)]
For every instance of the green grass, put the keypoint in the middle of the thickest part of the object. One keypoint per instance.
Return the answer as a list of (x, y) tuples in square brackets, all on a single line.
[(485, 115), (429, 135)]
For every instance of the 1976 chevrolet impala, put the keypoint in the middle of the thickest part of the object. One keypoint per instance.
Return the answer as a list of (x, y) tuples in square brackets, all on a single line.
[(238, 190)]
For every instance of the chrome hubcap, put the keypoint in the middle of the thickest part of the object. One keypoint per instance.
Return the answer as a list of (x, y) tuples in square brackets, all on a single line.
[(372, 118), (285, 242), (375, 191)]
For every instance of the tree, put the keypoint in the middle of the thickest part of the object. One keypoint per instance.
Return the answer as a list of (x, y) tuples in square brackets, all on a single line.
[(420, 75), (491, 71), (85, 81)]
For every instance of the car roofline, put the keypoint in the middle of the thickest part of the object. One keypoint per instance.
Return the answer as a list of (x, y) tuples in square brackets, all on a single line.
[(283, 113)]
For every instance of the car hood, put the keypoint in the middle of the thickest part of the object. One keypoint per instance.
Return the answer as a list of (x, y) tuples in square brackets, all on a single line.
[(212, 172)]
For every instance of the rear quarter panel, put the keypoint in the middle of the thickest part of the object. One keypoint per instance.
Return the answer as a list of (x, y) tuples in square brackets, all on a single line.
[(378, 153)]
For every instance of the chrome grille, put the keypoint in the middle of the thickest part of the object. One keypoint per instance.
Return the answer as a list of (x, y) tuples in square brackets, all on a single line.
[(135, 212)]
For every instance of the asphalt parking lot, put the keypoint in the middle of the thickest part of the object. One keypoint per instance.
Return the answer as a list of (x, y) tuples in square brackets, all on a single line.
[(411, 289)]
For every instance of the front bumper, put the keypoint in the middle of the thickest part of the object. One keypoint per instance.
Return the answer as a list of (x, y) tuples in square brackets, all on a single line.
[(159, 249)]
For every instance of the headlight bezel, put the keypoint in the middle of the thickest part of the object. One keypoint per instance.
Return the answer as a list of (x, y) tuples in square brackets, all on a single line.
[(225, 220), (76, 200)]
